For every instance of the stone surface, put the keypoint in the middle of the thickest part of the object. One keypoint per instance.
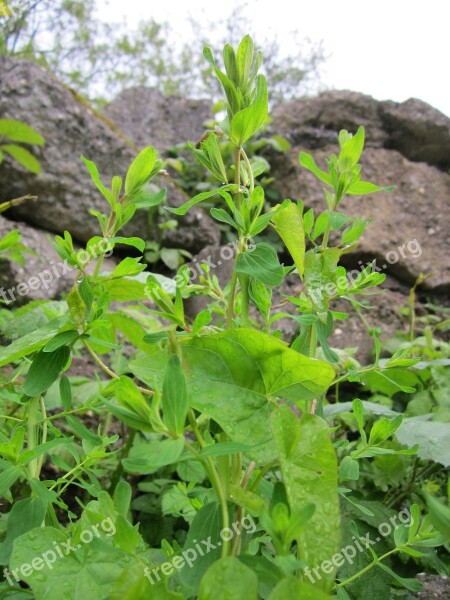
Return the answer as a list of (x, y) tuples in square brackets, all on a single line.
[(410, 232), (43, 268), (416, 129), (71, 128), (149, 118)]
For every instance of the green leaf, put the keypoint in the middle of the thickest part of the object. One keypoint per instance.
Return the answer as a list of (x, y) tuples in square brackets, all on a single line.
[(440, 515), (291, 588), (23, 156), (182, 210), (234, 378), (206, 525), (348, 469), (8, 477), (44, 370), (246, 122), (221, 215), (431, 436), (175, 401), (228, 579), (20, 132), (61, 339), (310, 474), (351, 150), (92, 168), (308, 162), (289, 225), (244, 59), (25, 515), (141, 169), (410, 584), (148, 457), (262, 264), (129, 241), (89, 571), (361, 188)]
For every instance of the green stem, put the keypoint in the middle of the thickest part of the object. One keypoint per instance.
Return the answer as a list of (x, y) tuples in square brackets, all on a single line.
[(312, 341), (32, 431), (44, 434), (249, 170), (214, 479), (367, 568)]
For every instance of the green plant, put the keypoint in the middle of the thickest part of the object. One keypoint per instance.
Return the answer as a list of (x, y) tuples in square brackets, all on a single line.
[(218, 434)]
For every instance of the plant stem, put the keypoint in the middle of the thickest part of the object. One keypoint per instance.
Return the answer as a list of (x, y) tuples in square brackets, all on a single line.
[(249, 170), (111, 373), (44, 434), (33, 406), (312, 341), (367, 568), (214, 479)]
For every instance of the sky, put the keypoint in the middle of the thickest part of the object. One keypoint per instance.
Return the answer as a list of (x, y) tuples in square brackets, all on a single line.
[(391, 50)]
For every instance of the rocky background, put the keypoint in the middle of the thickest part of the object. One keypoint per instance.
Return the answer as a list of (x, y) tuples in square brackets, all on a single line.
[(408, 145)]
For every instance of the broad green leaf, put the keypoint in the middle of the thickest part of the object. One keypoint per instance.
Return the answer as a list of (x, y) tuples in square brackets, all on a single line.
[(246, 122), (431, 436), (23, 156), (25, 515), (291, 588), (134, 584), (206, 525), (88, 572), (175, 401), (228, 579), (44, 370), (235, 376), (148, 457), (310, 474), (289, 225), (20, 132), (262, 264), (141, 169), (308, 162), (221, 215)]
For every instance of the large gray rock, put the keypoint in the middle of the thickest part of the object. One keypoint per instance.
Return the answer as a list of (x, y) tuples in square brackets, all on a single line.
[(414, 128), (147, 117), (71, 128), (410, 232)]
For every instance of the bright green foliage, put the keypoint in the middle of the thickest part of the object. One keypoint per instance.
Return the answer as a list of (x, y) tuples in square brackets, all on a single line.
[(309, 468), (240, 465)]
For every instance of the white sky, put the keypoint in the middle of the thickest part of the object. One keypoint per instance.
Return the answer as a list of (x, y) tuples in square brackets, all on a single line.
[(392, 50)]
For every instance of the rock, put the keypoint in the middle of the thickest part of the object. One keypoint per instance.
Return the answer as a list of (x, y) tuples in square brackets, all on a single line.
[(415, 129), (418, 131), (410, 232), (71, 128), (44, 274), (149, 118), (435, 587), (316, 122)]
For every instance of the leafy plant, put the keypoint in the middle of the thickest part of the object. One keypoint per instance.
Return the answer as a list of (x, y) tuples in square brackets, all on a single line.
[(213, 434)]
